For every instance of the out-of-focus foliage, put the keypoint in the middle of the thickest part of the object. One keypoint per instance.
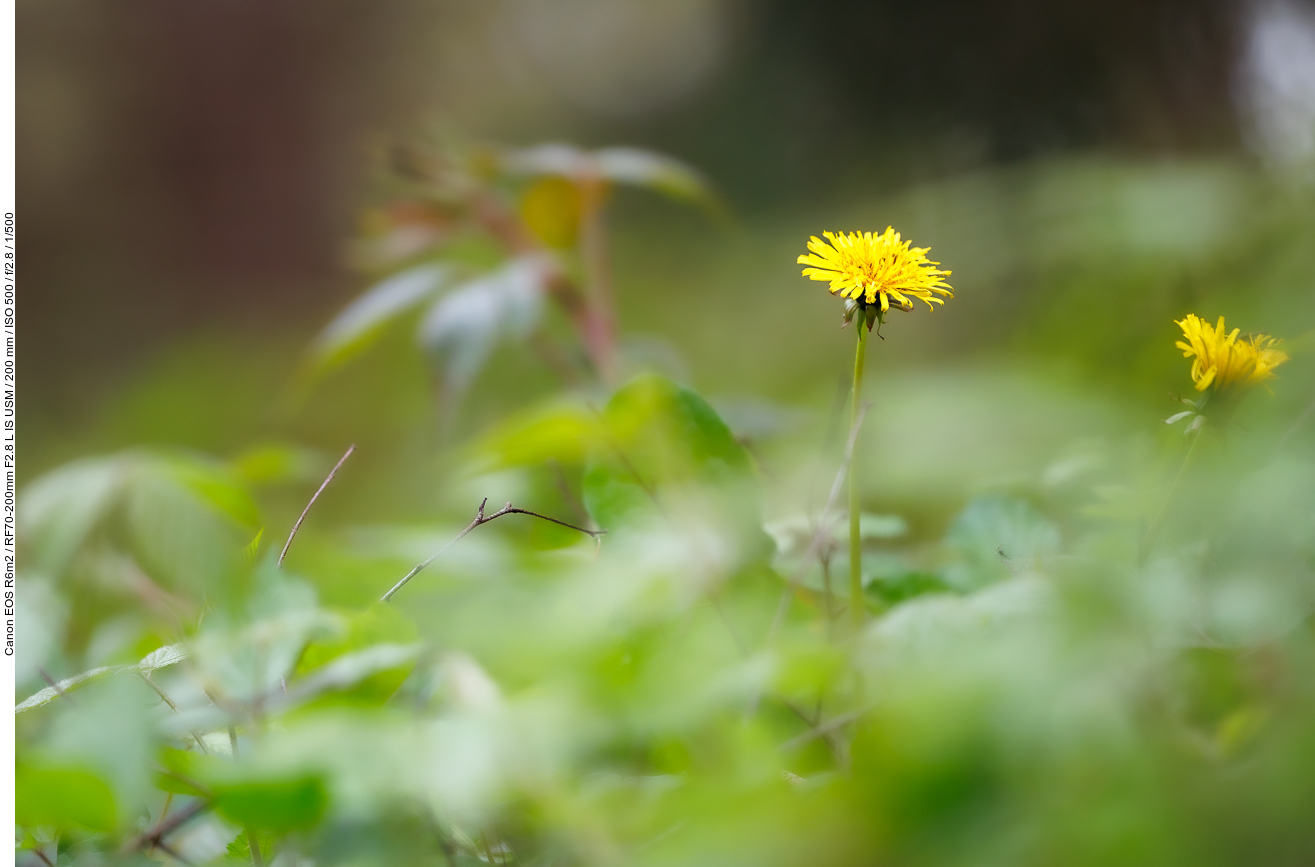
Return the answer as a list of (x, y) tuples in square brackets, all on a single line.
[(510, 259), (1040, 680)]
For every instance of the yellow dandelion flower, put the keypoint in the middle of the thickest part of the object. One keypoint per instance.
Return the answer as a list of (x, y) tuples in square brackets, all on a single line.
[(1222, 360), (874, 268)]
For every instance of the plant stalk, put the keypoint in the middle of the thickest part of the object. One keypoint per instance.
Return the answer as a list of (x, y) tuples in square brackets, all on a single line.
[(855, 542), (1157, 525), (600, 312)]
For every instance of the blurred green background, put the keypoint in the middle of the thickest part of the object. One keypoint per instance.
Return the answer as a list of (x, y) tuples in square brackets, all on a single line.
[(191, 177), (204, 187)]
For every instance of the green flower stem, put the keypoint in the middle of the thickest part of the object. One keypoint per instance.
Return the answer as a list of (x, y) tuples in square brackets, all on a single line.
[(1153, 532), (855, 543)]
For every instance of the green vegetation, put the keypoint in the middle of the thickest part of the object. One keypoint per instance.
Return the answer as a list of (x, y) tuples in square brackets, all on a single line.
[(1036, 681)]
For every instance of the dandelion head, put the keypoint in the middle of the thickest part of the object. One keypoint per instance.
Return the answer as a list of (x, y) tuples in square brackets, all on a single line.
[(1223, 360), (875, 269)]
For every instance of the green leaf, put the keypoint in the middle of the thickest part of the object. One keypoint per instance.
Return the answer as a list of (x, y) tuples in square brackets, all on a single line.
[(560, 431), (165, 656), (187, 521), (251, 660), (275, 805), (460, 330), (994, 534), (240, 848), (62, 797), (362, 321), (378, 624), (655, 171), (350, 670), (622, 165), (215, 485), (664, 441), (280, 463), (183, 518), (184, 770), (67, 685), (656, 432), (358, 665), (58, 511), (108, 729), (894, 589)]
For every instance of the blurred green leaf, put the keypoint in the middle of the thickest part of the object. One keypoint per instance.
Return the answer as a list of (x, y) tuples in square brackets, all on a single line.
[(153, 661), (188, 522), (182, 771), (334, 665), (657, 433), (623, 165), (162, 658), (184, 518), (279, 464), (668, 457), (59, 510), (215, 485), (66, 798), (351, 670), (461, 329), (378, 624), (656, 171), (362, 321), (873, 527), (240, 848), (275, 805), (562, 431), (995, 533), (65, 686), (107, 729), (794, 535), (894, 589)]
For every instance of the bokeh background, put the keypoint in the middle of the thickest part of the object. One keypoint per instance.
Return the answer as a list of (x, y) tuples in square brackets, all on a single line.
[(191, 177)]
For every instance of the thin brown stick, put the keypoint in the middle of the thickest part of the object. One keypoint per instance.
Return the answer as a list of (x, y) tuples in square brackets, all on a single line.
[(481, 518), (576, 504), (187, 781), (822, 730), (42, 855), (598, 291), (200, 743), (154, 839), (164, 811), (222, 703), (445, 845), (169, 850), (297, 526), (55, 686)]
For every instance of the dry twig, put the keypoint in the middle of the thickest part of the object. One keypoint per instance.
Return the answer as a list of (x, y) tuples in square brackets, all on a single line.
[(155, 839), (297, 526), (481, 518)]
